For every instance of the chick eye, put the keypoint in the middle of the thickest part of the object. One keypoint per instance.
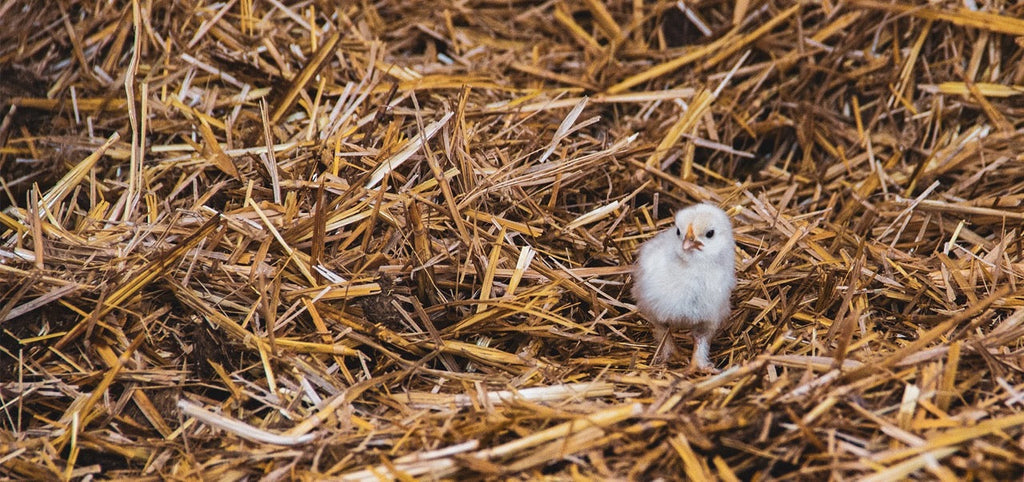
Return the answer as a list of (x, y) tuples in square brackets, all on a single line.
[(710, 234), (678, 232)]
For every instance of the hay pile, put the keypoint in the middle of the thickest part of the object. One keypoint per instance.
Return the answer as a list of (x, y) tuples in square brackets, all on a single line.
[(373, 240)]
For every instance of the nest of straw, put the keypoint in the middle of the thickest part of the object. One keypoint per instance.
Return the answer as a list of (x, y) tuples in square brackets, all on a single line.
[(389, 240)]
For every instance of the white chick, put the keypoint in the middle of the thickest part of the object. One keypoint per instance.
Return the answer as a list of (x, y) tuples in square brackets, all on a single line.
[(683, 279)]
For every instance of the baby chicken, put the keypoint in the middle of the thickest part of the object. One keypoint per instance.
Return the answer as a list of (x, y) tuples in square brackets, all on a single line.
[(683, 278)]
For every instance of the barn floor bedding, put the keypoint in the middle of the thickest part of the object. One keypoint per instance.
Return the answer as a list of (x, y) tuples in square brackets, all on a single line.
[(391, 240)]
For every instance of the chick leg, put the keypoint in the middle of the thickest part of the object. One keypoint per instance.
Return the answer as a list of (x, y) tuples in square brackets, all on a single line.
[(666, 347), (700, 361)]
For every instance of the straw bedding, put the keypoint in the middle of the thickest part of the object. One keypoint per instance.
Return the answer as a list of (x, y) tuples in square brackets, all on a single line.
[(358, 240)]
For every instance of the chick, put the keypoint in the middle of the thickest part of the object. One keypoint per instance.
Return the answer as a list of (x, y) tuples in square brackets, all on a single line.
[(683, 279)]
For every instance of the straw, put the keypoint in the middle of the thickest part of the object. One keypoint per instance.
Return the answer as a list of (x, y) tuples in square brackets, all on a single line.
[(394, 240)]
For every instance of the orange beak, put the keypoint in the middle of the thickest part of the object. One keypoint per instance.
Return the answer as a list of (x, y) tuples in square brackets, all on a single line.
[(690, 242)]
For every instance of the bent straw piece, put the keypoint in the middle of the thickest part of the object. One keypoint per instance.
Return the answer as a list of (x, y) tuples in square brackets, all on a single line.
[(413, 145), (239, 428)]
